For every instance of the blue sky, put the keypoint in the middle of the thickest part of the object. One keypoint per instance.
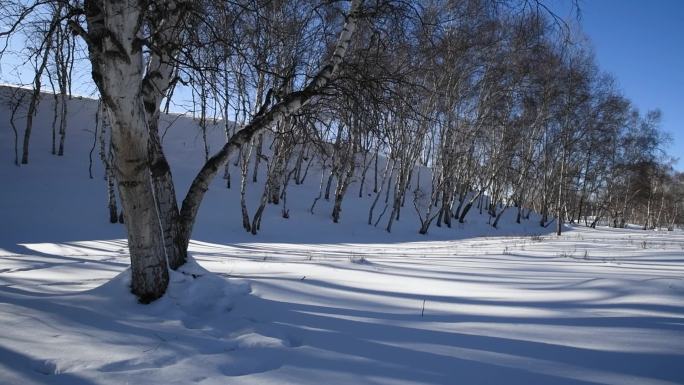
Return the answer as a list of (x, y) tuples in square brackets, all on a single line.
[(642, 44)]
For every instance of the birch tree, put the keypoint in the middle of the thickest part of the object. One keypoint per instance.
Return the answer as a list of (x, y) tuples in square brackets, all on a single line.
[(134, 50)]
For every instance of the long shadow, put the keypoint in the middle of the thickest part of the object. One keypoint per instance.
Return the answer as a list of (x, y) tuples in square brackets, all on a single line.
[(392, 346), (387, 349), (380, 345), (456, 300)]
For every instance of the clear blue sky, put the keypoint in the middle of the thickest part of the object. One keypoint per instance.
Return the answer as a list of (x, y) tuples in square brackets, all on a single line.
[(641, 42)]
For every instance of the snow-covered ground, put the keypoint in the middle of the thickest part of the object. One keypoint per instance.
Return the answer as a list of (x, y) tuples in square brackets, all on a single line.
[(599, 307), (311, 302)]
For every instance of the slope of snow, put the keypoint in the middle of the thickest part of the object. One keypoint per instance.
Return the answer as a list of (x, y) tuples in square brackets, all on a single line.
[(311, 302)]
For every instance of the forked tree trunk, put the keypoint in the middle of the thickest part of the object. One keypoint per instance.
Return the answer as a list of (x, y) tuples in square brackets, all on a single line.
[(117, 70), (142, 173)]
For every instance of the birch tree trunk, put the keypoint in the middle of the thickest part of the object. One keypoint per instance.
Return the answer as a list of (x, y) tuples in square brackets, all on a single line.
[(158, 234), (117, 66)]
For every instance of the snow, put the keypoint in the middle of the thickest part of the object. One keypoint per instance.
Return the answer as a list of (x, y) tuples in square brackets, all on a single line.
[(307, 301)]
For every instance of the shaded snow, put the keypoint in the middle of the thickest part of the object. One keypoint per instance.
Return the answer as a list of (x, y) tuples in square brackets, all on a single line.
[(527, 316)]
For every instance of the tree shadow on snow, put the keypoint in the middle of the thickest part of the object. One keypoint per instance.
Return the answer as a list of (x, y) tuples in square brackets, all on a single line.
[(393, 346)]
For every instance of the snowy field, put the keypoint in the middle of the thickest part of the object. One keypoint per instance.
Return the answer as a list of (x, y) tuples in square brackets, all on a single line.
[(311, 302), (590, 307)]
